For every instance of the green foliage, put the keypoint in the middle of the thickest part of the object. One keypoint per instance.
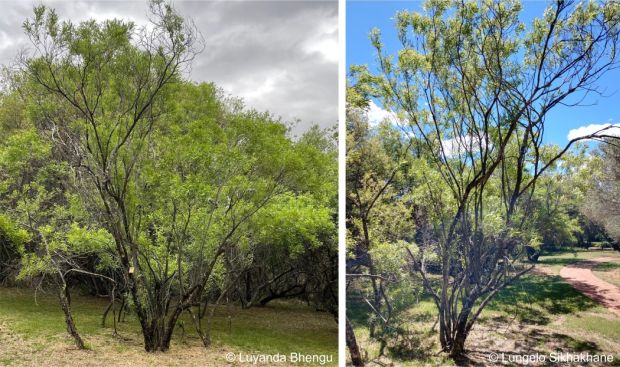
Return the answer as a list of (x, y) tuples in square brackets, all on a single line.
[(13, 235), (215, 172), (470, 85), (601, 205), (556, 221), (115, 167), (38, 209), (295, 222), (380, 231)]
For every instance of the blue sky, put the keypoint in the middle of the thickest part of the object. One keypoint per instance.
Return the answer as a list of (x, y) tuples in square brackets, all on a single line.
[(362, 16)]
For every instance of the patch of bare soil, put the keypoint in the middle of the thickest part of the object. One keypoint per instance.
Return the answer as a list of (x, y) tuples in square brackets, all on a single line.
[(542, 271)]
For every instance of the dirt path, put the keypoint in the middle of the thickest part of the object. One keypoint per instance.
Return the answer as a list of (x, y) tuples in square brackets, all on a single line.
[(580, 276)]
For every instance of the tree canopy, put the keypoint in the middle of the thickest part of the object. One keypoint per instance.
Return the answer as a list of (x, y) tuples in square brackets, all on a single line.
[(469, 92), (120, 175)]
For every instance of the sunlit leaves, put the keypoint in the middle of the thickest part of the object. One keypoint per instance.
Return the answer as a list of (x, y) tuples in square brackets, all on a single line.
[(298, 223), (12, 233)]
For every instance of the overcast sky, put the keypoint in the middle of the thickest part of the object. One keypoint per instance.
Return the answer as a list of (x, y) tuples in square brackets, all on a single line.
[(280, 56)]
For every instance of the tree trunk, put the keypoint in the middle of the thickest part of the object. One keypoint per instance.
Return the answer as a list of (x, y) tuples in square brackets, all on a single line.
[(105, 314), (66, 308), (288, 293), (354, 350), (444, 337), (248, 287), (196, 320), (457, 348), (152, 326), (169, 328), (376, 300), (122, 311), (156, 338), (158, 335), (452, 334)]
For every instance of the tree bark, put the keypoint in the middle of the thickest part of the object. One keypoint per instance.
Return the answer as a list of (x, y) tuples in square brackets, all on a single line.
[(354, 350), (66, 309), (156, 338), (458, 346), (376, 300)]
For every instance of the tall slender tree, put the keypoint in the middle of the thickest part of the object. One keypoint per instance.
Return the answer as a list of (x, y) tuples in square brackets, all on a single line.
[(472, 87)]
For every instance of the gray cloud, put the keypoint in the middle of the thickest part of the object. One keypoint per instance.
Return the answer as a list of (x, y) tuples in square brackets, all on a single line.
[(279, 56)]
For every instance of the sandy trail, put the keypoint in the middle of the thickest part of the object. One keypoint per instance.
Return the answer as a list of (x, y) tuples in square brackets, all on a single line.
[(580, 276)]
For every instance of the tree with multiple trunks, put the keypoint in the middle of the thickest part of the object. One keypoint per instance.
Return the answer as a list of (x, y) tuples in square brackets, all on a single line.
[(108, 82), (44, 221), (471, 89), (180, 177)]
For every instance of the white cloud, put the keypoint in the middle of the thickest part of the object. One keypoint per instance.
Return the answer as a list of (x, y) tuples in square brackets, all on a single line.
[(325, 41), (6, 41), (377, 114), (611, 129), (257, 88), (463, 144)]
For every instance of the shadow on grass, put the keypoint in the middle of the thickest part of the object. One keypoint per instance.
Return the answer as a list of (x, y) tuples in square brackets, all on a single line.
[(531, 300), (576, 345), (406, 339), (534, 342), (423, 317), (412, 345), (358, 311), (607, 266), (534, 299), (283, 327)]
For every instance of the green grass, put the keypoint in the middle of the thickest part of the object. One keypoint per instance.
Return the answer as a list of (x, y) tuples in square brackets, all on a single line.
[(537, 313), (41, 317), (278, 328), (557, 261), (609, 272), (602, 244), (537, 299), (551, 303), (595, 323), (412, 343), (283, 327), (574, 320)]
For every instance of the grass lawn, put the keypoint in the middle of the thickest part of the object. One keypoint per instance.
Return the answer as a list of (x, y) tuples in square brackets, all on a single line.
[(35, 334), (539, 313), (555, 262), (609, 272)]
